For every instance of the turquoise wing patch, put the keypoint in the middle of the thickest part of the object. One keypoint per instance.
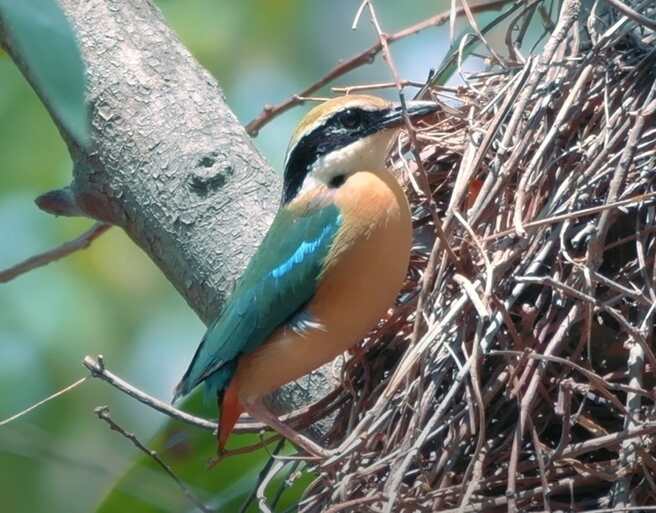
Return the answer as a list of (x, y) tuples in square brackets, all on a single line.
[(280, 279)]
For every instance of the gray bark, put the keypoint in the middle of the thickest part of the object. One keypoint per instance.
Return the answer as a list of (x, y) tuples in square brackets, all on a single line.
[(170, 163)]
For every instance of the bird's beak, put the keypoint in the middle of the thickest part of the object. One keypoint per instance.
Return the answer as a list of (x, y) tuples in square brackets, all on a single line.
[(415, 109)]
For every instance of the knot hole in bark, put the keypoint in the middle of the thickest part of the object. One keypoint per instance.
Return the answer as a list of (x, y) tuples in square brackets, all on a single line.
[(209, 174)]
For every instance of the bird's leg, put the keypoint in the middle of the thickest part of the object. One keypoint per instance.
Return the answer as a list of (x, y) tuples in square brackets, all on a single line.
[(259, 411)]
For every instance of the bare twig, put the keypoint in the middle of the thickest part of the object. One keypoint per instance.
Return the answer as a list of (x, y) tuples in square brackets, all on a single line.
[(52, 255), (261, 477), (540, 223), (98, 370), (43, 401), (372, 87), (300, 419), (102, 412), (366, 57), (634, 15)]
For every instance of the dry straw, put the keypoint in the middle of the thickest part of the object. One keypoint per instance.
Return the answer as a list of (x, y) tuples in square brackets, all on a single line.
[(524, 379)]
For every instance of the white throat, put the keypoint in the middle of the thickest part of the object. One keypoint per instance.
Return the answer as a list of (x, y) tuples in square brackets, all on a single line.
[(367, 154)]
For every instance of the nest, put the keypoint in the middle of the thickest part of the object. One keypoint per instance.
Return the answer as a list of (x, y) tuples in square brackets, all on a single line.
[(517, 371)]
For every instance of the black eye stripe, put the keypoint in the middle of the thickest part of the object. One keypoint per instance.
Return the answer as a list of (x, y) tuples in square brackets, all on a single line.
[(337, 181), (329, 136)]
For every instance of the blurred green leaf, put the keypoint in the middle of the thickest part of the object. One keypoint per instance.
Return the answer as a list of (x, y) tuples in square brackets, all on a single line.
[(45, 41), (145, 488)]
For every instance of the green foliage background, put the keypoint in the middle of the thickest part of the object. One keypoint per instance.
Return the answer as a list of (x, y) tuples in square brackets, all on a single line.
[(111, 299)]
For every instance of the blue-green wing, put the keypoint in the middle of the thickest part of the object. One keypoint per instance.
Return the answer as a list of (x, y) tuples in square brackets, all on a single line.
[(279, 280)]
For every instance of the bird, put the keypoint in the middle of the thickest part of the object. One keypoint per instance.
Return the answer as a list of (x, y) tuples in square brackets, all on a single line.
[(329, 267)]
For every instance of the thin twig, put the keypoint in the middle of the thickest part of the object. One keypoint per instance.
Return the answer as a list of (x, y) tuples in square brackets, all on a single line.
[(365, 57), (43, 401), (299, 419), (98, 370), (636, 200), (634, 15), (372, 87), (262, 475), (102, 412), (52, 255)]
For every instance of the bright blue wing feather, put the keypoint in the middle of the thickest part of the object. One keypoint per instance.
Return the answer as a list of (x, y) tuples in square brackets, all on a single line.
[(279, 280)]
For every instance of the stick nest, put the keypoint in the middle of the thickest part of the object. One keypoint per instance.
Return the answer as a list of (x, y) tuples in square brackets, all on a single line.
[(526, 382)]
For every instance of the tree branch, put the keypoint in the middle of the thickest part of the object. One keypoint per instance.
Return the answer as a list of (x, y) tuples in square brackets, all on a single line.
[(169, 162), (54, 254)]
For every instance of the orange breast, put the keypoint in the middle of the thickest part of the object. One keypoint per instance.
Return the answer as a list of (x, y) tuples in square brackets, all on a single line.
[(364, 272)]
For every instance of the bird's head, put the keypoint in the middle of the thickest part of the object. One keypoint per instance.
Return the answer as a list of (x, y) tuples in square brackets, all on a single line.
[(342, 136)]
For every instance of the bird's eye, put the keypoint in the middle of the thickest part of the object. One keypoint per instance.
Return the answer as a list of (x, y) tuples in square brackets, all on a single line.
[(351, 118), (337, 181)]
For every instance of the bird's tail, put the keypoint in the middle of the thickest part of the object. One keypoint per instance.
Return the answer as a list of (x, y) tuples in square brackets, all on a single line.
[(230, 410)]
